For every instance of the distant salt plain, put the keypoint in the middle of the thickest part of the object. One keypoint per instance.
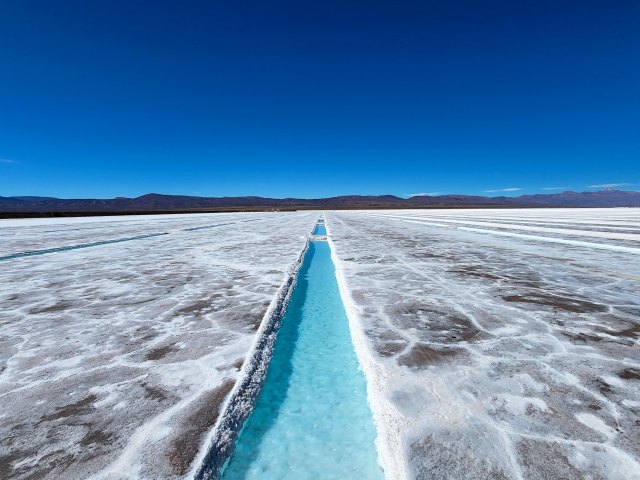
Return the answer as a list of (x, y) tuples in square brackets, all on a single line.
[(497, 343), (115, 359)]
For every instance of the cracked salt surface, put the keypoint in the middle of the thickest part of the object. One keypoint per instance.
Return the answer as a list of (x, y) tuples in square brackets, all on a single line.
[(115, 359), (27, 235), (497, 356)]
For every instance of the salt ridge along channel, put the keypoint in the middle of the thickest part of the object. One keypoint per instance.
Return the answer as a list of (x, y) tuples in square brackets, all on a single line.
[(311, 419)]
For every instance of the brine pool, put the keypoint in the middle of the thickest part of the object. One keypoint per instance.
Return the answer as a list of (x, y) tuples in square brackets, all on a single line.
[(311, 420)]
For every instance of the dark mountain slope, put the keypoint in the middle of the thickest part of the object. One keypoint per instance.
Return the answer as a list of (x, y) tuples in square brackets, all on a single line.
[(154, 202)]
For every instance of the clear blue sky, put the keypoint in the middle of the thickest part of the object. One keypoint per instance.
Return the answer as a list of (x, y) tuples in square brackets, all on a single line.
[(299, 98)]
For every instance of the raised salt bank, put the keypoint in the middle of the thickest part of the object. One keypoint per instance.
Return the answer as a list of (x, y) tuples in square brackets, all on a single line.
[(311, 420)]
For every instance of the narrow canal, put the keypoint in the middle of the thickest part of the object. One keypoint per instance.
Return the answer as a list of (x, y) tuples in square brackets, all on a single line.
[(312, 419), (320, 230)]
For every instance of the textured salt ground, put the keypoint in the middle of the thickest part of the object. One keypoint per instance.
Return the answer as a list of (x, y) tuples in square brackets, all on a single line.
[(116, 359), (24, 235), (496, 357)]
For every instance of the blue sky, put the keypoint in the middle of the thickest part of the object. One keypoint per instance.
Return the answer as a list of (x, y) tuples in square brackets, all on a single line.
[(309, 99)]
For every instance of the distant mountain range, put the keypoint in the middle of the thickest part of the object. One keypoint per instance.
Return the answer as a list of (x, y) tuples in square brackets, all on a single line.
[(154, 203)]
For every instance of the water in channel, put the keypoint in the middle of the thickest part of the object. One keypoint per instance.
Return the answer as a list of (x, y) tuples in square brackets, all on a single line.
[(320, 230), (311, 420)]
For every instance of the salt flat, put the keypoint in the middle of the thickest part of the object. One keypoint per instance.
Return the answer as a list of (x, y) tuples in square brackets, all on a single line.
[(497, 343), (115, 359)]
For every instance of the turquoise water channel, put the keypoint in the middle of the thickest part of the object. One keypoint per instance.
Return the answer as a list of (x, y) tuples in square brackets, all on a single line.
[(311, 420), (320, 230)]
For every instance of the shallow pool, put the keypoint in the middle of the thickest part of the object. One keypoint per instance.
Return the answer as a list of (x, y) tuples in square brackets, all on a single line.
[(311, 420)]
